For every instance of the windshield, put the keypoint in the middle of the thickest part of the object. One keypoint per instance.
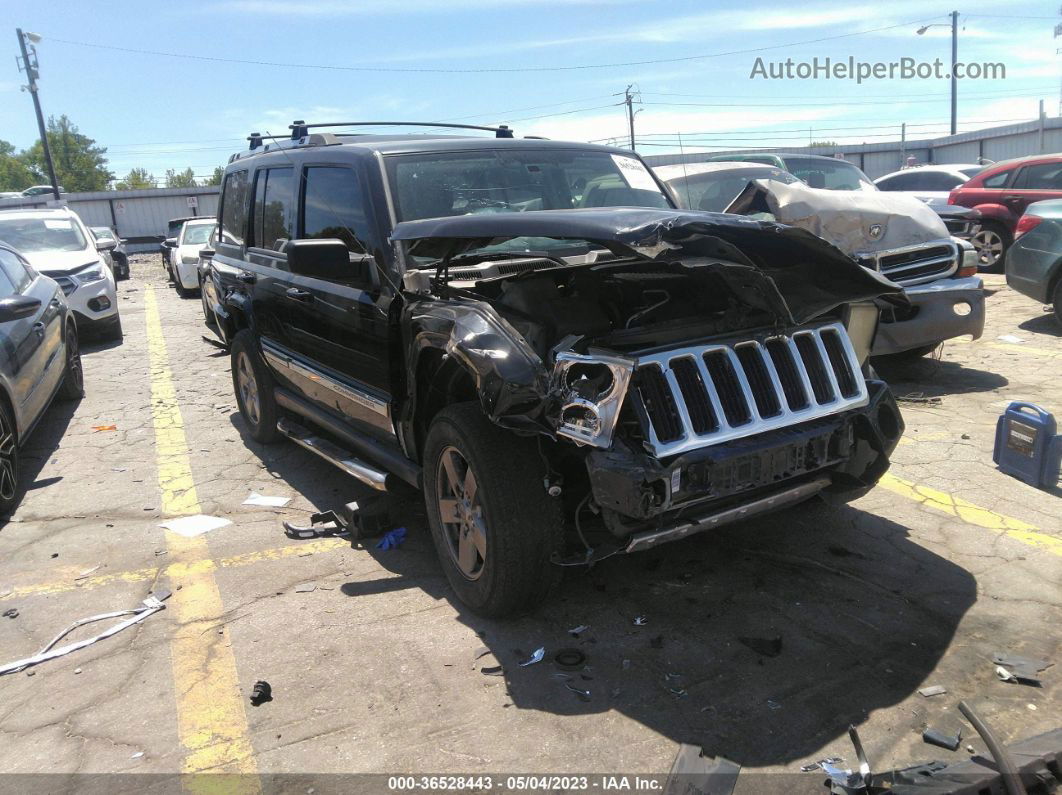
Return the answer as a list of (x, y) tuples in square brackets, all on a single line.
[(196, 235), (435, 185), (716, 190), (828, 174), (42, 234)]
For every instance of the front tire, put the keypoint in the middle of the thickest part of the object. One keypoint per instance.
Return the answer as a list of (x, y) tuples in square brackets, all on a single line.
[(73, 387), (10, 464), (991, 242), (253, 385), (494, 527)]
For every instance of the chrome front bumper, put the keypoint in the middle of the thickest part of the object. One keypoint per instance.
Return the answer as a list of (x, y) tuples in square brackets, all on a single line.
[(934, 316)]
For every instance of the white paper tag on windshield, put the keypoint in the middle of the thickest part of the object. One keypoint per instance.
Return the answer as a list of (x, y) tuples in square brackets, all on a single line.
[(55, 223), (635, 174)]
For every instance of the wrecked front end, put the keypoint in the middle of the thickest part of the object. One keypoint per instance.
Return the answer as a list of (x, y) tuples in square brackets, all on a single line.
[(688, 369)]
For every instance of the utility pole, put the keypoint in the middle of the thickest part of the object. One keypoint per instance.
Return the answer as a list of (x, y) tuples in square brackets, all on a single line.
[(29, 66), (954, 59), (629, 101)]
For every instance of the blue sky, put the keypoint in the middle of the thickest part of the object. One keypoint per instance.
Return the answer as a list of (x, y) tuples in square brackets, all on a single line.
[(163, 112)]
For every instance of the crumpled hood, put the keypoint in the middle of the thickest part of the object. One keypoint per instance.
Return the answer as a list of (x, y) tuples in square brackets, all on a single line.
[(787, 269), (857, 222), (57, 263)]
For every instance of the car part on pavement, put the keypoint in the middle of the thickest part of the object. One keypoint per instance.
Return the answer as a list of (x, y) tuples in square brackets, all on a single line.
[(569, 659), (152, 605), (942, 740), (536, 657), (261, 693), (932, 690)]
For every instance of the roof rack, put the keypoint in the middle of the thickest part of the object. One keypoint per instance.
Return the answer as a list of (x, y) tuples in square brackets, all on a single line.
[(300, 129)]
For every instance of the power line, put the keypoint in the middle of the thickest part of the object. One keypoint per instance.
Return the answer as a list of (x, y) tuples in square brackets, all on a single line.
[(978, 94), (784, 104), (484, 70)]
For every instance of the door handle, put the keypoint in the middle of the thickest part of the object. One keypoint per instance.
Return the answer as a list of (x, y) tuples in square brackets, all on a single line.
[(295, 294), (246, 277), (39, 328)]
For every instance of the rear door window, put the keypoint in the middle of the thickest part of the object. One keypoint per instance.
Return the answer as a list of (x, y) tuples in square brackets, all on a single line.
[(234, 208), (274, 208), (1043, 176)]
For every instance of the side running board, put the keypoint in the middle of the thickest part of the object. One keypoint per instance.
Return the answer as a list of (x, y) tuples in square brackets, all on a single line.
[(333, 454)]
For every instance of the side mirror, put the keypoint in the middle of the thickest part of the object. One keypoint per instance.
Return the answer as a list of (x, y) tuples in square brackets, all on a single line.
[(170, 242), (105, 244), (321, 259), (18, 306)]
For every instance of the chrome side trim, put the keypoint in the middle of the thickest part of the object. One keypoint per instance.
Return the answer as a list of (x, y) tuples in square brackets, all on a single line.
[(333, 454), (786, 416), (284, 362), (779, 499)]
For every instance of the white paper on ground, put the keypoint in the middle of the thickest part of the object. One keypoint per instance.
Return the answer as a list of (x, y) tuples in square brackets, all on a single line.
[(1010, 338), (269, 502), (190, 526)]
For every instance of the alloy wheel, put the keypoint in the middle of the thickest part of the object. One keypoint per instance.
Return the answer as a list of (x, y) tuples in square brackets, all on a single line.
[(248, 387), (8, 460), (461, 513), (73, 361), (989, 245)]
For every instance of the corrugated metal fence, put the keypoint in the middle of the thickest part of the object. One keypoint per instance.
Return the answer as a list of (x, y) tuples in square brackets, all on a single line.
[(140, 216), (877, 159)]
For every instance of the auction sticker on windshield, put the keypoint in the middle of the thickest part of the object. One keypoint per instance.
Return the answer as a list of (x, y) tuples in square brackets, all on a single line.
[(51, 223), (634, 173)]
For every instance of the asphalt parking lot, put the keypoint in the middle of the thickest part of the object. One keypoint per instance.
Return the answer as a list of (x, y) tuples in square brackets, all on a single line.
[(376, 669)]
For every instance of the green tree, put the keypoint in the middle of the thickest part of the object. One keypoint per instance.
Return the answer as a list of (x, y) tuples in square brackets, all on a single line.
[(216, 177), (183, 179), (14, 173), (80, 165), (136, 179)]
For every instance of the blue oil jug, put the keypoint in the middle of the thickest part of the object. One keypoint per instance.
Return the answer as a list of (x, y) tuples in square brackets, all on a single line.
[(1027, 444)]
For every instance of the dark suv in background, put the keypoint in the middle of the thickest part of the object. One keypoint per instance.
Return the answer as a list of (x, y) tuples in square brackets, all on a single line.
[(531, 334)]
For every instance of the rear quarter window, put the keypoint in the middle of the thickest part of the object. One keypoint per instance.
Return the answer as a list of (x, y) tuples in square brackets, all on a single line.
[(996, 180)]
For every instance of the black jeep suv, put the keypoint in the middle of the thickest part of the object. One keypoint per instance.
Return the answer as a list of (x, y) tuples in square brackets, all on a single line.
[(529, 332)]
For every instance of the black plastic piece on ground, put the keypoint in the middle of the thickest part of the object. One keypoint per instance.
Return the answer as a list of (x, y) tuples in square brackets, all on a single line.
[(569, 659), (262, 693), (942, 740)]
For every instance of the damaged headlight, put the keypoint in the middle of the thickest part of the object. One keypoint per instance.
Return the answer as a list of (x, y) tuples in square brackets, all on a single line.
[(590, 389)]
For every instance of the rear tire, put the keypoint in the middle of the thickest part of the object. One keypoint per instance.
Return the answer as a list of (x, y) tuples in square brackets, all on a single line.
[(208, 314), (10, 464), (73, 387), (253, 385), (501, 527)]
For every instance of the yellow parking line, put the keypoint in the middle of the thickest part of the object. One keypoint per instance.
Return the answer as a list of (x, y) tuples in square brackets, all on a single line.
[(174, 571), (973, 514), (211, 722)]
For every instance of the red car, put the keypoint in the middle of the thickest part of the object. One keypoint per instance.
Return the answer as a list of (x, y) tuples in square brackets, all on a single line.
[(1002, 192)]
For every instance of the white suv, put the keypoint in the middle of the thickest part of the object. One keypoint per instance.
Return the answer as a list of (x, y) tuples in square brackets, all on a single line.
[(57, 244)]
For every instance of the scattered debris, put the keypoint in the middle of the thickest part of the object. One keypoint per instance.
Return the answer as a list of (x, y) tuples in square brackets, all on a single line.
[(87, 572), (482, 651), (392, 539), (768, 647), (306, 587), (626, 665), (773, 704), (536, 657), (941, 740), (261, 693), (1012, 339), (137, 755), (1005, 675), (680, 692), (830, 760), (191, 526), (77, 670), (152, 605), (918, 397), (267, 502), (98, 428), (932, 690), (569, 659), (494, 670), (584, 695), (695, 772), (640, 621), (1023, 668), (579, 630), (11, 612)]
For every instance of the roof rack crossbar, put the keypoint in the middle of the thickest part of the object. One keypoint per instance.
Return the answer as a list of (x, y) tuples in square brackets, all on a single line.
[(300, 129)]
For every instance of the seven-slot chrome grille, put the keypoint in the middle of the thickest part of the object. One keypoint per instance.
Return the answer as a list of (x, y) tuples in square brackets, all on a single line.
[(707, 394)]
